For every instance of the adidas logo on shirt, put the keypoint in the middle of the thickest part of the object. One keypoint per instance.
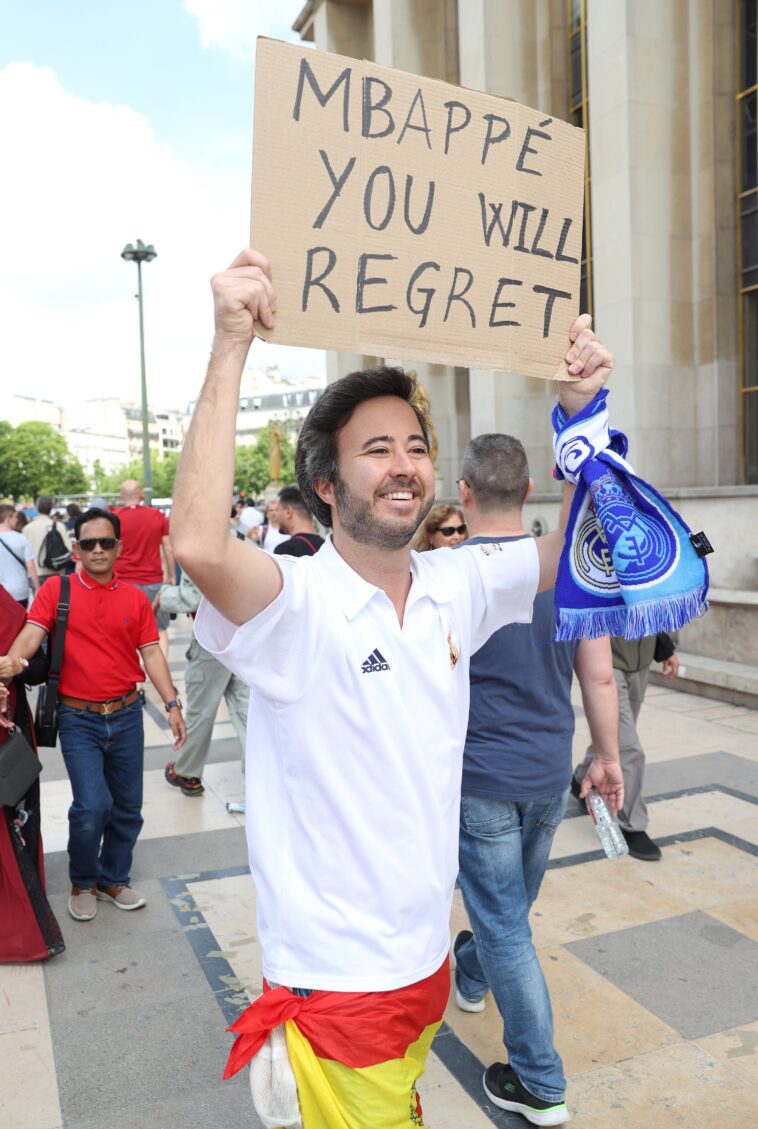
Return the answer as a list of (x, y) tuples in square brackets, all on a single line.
[(375, 661)]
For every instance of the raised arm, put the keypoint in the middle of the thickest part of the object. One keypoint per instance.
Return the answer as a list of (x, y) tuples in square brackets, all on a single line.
[(237, 578), (594, 669), (593, 364)]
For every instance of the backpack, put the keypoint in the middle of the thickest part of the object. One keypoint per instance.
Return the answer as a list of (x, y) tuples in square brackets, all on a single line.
[(53, 553)]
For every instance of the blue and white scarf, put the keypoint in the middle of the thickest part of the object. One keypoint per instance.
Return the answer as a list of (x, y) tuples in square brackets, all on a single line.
[(628, 566)]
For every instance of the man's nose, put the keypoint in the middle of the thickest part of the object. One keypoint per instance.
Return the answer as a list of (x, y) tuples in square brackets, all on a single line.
[(402, 465)]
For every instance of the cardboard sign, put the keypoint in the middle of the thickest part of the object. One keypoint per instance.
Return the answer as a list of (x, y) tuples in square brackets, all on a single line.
[(405, 217)]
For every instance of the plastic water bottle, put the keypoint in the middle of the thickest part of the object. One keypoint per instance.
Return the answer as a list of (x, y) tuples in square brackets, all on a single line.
[(608, 831)]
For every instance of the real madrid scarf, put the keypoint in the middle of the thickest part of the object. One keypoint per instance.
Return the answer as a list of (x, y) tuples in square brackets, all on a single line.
[(630, 565)]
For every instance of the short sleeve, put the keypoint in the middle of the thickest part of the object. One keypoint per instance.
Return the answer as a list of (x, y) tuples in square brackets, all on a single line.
[(148, 627), (164, 524), (45, 605), (27, 550), (278, 652), (504, 576)]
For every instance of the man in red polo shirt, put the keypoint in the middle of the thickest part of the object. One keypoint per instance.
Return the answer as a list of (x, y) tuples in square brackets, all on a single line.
[(146, 546), (110, 627)]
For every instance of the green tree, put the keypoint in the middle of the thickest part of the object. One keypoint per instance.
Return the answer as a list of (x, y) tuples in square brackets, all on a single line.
[(164, 472), (35, 459), (251, 474)]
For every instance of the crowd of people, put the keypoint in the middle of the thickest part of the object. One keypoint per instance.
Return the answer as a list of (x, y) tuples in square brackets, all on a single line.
[(444, 751)]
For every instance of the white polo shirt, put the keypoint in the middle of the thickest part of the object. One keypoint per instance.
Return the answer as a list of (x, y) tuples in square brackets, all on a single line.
[(354, 756)]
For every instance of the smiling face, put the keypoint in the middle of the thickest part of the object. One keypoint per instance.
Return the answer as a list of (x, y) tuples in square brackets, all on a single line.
[(385, 485)]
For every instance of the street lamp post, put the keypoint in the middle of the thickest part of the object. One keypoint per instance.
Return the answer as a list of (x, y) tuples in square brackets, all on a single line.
[(140, 254)]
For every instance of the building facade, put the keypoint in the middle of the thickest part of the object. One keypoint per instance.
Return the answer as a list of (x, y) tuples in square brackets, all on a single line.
[(667, 95)]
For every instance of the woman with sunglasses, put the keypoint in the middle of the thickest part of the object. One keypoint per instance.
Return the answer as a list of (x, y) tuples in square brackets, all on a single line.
[(443, 527)]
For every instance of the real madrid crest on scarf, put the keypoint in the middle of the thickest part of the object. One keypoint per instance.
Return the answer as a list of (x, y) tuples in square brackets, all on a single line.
[(630, 565)]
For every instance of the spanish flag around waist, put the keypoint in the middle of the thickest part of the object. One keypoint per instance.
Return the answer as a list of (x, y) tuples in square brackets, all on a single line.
[(355, 1055)]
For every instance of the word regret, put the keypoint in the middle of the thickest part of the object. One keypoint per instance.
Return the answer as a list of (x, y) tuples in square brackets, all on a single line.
[(447, 221)]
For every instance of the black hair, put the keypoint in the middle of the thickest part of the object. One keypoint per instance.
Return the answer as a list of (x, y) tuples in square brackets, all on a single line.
[(291, 496), (316, 455), (44, 504), (93, 514)]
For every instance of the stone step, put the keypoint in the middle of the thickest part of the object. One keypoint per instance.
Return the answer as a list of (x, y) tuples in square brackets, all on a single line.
[(713, 678)]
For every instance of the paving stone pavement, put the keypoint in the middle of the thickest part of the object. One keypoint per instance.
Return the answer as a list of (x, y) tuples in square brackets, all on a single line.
[(652, 967)]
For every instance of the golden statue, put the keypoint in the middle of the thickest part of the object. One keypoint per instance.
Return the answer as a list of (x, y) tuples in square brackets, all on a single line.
[(275, 451), (421, 401)]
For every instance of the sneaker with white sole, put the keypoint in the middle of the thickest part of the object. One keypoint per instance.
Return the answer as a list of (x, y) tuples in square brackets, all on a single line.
[(468, 1005), (123, 897), (504, 1089), (462, 1001), (82, 904)]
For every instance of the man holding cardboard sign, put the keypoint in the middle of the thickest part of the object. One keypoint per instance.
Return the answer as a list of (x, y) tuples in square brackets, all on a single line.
[(354, 769)]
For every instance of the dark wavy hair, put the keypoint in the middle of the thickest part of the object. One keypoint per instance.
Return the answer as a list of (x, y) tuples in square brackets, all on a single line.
[(316, 455)]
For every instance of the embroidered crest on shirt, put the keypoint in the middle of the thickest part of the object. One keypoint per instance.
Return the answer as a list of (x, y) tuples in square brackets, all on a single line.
[(454, 652)]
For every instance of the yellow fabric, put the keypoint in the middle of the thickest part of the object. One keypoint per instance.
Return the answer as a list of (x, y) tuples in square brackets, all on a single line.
[(335, 1096)]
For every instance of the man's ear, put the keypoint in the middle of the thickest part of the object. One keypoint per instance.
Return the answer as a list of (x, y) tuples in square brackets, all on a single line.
[(325, 490), (529, 488), (464, 492), (119, 546)]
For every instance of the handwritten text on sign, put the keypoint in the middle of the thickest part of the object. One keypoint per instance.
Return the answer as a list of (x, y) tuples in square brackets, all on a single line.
[(405, 217)]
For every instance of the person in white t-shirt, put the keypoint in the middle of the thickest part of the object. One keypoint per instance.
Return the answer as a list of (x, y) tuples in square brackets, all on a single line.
[(357, 659), (18, 570)]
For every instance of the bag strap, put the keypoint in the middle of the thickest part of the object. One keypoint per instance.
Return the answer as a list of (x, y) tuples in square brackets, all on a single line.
[(310, 544), (5, 546), (61, 619)]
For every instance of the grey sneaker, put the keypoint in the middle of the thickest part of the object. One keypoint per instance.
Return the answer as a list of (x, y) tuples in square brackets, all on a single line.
[(124, 897), (463, 1003), (82, 904)]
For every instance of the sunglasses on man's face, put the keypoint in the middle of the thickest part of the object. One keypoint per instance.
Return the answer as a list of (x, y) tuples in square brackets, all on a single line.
[(89, 543), (449, 530)]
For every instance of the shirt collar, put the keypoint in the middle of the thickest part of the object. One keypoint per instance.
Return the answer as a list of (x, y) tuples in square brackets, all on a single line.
[(90, 585), (355, 592)]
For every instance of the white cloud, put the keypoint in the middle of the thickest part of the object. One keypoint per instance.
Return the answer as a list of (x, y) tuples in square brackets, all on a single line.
[(233, 25), (86, 179)]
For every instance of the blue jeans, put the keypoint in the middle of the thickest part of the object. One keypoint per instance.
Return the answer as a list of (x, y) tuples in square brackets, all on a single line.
[(104, 758), (504, 849)]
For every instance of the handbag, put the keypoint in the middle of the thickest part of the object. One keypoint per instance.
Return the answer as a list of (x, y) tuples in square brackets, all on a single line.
[(46, 711), (19, 768)]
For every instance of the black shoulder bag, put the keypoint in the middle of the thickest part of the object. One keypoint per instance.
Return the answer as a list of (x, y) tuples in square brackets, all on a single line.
[(46, 713), (19, 768)]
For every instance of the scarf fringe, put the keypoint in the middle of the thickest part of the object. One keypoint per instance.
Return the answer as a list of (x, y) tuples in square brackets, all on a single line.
[(664, 613)]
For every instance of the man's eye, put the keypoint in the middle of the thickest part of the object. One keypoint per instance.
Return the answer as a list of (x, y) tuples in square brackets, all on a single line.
[(378, 451), (419, 451)]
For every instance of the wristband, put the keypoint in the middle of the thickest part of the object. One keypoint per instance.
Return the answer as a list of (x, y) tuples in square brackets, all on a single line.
[(175, 703)]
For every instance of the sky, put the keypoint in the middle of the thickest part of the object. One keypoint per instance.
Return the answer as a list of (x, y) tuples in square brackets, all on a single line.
[(124, 120)]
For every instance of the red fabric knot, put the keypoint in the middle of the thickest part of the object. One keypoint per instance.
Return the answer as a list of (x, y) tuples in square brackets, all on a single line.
[(359, 1029)]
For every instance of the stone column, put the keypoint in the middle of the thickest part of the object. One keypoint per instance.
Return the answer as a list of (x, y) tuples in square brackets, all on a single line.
[(517, 49), (661, 196)]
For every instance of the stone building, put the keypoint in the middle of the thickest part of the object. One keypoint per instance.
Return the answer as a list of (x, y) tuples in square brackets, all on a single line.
[(666, 92)]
